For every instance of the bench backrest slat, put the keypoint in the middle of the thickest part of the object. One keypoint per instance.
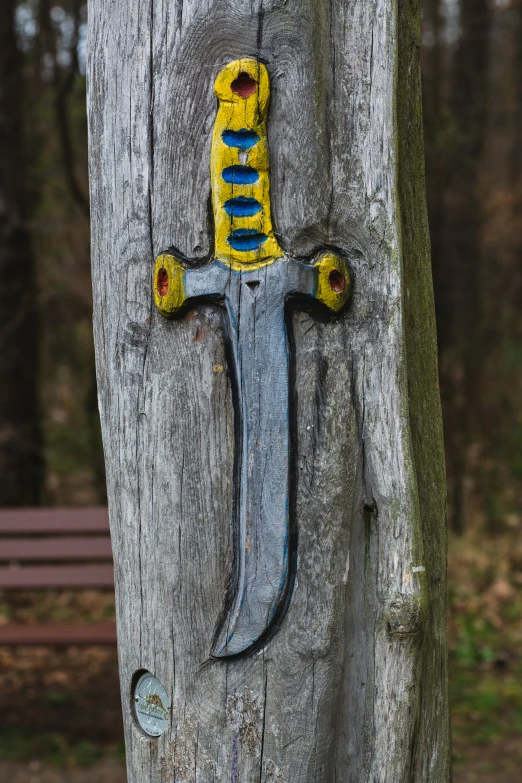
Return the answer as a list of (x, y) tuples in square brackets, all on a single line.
[(56, 549), (61, 634), (41, 521), (78, 576), (55, 535)]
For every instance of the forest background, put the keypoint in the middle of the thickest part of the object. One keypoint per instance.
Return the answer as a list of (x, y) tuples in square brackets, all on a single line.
[(50, 446)]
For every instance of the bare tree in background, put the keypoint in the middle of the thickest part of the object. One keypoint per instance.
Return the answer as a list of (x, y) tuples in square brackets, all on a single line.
[(21, 463), (455, 116)]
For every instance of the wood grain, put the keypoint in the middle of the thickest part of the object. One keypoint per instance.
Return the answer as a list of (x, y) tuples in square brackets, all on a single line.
[(346, 691)]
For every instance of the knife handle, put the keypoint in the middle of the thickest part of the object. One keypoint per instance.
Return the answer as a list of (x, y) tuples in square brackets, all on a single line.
[(240, 168)]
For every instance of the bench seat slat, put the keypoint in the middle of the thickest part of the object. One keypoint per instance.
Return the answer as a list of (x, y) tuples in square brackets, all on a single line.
[(58, 634), (78, 577), (24, 521), (56, 549)]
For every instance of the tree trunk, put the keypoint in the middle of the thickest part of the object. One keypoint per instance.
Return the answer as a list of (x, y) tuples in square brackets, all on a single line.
[(457, 260), (352, 684), (20, 442)]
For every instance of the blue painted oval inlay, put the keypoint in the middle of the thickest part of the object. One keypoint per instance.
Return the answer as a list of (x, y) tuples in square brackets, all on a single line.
[(242, 139), (240, 175), (242, 206), (244, 239)]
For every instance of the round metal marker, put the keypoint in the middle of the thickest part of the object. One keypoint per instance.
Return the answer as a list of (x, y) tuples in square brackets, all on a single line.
[(151, 705)]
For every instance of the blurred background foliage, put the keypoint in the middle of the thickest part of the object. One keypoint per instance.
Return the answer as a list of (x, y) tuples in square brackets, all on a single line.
[(472, 83), (50, 448)]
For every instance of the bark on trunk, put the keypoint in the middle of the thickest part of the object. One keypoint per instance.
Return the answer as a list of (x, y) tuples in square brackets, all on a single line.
[(20, 442), (352, 687)]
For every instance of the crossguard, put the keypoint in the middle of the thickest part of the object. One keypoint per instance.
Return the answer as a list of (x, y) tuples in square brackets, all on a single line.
[(326, 279)]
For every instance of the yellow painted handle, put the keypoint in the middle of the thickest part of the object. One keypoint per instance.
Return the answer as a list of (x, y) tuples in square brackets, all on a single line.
[(239, 167)]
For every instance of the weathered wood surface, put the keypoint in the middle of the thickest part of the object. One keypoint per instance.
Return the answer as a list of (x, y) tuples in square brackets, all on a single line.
[(352, 688)]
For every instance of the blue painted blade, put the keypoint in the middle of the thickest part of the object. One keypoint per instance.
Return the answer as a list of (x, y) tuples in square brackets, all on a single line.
[(259, 355)]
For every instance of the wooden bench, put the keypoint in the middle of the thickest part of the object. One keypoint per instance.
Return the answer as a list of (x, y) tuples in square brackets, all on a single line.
[(56, 548)]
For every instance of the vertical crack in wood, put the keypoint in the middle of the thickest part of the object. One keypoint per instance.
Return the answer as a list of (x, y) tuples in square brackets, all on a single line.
[(263, 729)]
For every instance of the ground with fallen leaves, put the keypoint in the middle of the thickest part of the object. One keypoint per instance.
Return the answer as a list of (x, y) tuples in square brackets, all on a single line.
[(61, 712)]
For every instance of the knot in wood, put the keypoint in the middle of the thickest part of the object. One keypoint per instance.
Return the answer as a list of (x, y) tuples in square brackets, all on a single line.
[(405, 614)]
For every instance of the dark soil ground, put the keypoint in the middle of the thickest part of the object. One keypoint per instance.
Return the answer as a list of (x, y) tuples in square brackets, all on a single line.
[(61, 709), (59, 702), (105, 771), (500, 762)]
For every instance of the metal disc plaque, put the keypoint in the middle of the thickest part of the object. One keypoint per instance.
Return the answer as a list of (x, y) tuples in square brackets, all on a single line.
[(151, 705)]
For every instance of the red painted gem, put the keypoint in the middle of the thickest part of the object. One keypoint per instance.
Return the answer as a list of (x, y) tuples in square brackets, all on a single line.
[(244, 85), (337, 281), (162, 282)]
